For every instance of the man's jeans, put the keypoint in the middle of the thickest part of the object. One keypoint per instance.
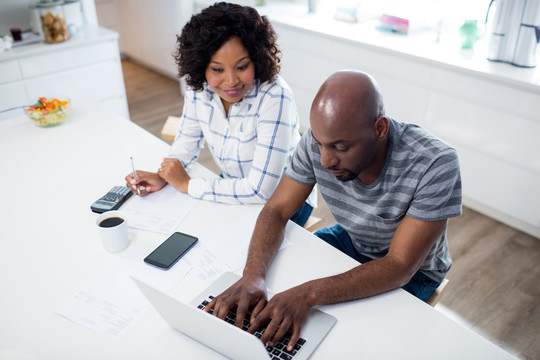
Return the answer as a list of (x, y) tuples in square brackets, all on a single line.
[(302, 215)]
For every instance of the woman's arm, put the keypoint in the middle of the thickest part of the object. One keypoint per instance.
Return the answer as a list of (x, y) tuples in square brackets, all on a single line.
[(190, 139), (277, 135)]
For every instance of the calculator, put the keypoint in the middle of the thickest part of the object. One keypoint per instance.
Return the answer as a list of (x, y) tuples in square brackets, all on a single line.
[(111, 200)]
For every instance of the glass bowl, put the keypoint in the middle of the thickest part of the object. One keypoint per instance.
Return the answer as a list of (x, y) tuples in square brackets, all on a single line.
[(47, 112)]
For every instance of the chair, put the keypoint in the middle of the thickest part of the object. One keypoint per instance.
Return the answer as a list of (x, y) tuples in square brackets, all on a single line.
[(170, 129), (439, 292), (313, 223)]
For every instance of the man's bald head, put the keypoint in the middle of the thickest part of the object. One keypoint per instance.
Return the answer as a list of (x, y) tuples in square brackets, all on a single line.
[(348, 96), (349, 126)]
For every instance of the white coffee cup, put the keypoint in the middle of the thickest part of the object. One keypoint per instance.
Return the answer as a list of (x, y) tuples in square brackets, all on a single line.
[(112, 227)]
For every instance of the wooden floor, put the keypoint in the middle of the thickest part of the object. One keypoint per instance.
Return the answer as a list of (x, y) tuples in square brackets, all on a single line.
[(494, 283)]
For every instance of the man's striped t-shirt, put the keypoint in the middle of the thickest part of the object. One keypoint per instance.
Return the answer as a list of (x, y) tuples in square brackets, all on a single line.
[(420, 178)]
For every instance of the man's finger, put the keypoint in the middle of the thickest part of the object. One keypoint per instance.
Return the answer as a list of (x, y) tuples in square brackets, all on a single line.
[(241, 311), (294, 338), (257, 309), (281, 331), (270, 331), (258, 321), (222, 309), (210, 305)]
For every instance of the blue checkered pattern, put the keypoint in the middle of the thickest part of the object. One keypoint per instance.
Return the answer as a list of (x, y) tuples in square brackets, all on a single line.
[(252, 145)]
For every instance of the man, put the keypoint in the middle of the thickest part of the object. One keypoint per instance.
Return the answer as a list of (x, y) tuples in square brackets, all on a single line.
[(391, 187)]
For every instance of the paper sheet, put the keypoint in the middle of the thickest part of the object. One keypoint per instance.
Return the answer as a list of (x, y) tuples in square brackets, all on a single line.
[(110, 303), (233, 256), (161, 211), (206, 267)]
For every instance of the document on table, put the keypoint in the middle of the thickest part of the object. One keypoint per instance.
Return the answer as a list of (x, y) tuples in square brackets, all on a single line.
[(161, 211), (110, 303), (206, 267), (234, 254)]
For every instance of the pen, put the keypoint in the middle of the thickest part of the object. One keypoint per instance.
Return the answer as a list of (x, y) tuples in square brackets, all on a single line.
[(134, 174)]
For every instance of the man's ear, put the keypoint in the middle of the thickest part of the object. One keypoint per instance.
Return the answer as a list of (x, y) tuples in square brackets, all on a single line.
[(381, 127)]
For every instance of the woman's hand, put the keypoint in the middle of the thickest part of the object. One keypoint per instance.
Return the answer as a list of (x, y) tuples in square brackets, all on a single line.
[(173, 172), (146, 181)]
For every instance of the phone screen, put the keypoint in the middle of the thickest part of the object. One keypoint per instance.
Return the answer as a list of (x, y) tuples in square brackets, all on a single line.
[(172, 249)]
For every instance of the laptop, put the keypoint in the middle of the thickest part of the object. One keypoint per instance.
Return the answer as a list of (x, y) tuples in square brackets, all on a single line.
[(224, 337)]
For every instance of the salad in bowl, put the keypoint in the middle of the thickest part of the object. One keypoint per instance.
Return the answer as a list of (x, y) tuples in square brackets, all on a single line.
[(49, 111)]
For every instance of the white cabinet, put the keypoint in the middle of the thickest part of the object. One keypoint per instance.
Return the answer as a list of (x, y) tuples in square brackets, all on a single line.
[(86, 68), (308, 59), (491, 117), (10, 71), (495, 129)]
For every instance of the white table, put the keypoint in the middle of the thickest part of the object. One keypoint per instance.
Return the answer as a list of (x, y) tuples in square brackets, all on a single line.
[(49, 248)]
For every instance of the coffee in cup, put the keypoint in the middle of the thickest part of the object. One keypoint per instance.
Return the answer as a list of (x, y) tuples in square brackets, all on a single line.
[(111, 222), (112, 228)]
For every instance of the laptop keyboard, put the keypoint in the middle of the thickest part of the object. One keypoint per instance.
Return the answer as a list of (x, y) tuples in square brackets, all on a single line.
[(276, 352)]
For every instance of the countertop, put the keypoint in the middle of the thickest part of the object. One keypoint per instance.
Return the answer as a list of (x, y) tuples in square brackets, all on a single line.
[(87, 35), (419, 45)]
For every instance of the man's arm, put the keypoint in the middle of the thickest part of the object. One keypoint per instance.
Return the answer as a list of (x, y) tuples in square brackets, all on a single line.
[(267, 237), (411, 243), (289, 310)]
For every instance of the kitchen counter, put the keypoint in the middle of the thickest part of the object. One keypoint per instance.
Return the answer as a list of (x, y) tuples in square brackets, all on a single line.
[(419, 45), (86, 68), (87, 35)]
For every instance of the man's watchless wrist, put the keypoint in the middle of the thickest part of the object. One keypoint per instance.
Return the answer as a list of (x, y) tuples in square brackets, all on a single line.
[(251, 273)]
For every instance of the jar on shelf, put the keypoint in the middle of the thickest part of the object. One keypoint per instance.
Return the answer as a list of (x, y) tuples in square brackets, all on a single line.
[(53, 21), (74, 16)]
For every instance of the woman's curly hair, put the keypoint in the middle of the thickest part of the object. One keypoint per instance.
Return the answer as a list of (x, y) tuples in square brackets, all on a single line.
[(207, 31)]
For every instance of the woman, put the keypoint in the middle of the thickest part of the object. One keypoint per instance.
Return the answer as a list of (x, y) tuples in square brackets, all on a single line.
[(237, 102)]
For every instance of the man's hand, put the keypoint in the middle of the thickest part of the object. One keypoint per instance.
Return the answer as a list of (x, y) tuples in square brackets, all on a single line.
[(173, 172), (249, 291), (287, 311), (146, 181), (289, 308)]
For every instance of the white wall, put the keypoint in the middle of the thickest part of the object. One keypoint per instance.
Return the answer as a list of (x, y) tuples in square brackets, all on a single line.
[(147, 31)]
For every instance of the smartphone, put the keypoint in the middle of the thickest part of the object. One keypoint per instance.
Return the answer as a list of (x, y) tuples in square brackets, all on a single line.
[(171, 250)]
